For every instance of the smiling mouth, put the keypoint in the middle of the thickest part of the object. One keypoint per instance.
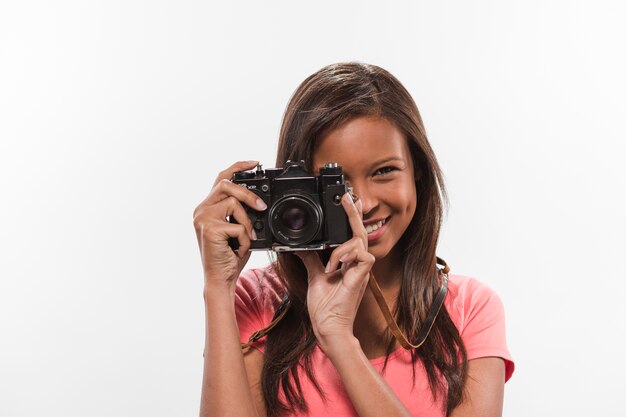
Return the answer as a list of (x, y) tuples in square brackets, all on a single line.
[(373, 227)]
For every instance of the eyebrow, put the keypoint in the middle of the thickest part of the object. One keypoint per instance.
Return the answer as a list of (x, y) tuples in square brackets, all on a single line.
[(388, 159)]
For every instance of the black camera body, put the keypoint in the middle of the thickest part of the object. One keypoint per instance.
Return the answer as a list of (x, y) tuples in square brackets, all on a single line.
[(304, 211)]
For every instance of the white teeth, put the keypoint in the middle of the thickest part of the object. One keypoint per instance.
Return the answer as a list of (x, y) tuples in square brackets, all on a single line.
[(375, 226)]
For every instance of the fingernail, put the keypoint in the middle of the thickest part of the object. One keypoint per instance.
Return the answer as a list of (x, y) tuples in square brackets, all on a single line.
[(327, 267), (253, 234), (343, 258), (260, 204)]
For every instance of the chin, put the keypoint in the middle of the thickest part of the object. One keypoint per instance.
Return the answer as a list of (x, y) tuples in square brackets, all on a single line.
[(385, 247), (379, 251)]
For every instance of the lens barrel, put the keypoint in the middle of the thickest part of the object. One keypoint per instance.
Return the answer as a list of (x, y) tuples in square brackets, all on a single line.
[(295, 219)]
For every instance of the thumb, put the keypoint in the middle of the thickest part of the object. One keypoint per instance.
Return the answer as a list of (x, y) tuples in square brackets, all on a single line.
[(312, 262)]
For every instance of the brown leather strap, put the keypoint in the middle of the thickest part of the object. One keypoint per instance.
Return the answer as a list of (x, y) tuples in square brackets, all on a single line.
[(430, 319), (278, 315), (382, 304), (443, 263)]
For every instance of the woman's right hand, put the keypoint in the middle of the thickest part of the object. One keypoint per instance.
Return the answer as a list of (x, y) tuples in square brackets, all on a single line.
[(221, 264)]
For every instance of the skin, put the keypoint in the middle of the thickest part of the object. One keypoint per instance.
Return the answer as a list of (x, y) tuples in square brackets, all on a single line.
[(384, 189), (344, 316)]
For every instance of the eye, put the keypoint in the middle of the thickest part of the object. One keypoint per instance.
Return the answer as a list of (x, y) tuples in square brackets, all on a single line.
[(385, 170)]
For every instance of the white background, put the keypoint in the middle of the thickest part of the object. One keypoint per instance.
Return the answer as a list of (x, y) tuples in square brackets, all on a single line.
[(115, 117)]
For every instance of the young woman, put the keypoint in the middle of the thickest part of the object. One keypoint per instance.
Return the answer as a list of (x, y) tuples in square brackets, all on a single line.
[(331, 350)]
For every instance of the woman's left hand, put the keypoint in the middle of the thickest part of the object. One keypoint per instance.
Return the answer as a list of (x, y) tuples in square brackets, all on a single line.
[(334, 295)]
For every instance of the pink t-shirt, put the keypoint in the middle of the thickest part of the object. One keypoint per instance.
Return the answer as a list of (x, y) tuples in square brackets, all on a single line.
[(473, 307)]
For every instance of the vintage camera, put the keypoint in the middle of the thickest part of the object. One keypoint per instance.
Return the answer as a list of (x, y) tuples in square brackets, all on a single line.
[(304, 211)]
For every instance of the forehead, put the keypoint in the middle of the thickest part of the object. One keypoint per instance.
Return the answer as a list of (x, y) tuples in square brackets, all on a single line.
[(360, 142)]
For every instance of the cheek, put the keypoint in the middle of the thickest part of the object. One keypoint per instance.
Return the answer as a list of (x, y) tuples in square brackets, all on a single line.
[(406, 198)]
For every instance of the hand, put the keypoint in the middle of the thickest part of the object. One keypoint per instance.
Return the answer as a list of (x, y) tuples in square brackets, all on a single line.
[(220, 263), (333, 295)]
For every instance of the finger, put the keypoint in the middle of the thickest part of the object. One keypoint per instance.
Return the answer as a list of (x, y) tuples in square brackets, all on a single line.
[(312, 262), (224, 175), (354, 217), (352, 257), (361, 262), (237, 166), (224, 189), (228, 230), (345, 259), (232, 207), (340, 254)]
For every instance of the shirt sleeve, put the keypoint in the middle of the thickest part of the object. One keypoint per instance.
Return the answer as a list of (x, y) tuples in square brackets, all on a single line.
[(483, 329), (254, 305)]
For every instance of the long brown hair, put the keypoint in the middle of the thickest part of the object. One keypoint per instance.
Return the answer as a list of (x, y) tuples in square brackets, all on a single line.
[(326, 99)]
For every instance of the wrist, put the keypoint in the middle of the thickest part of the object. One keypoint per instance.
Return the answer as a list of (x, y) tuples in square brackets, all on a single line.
[(217, 291), (338, 346)]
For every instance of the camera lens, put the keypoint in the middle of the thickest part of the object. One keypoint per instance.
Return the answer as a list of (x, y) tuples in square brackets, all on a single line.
[(295, 219)]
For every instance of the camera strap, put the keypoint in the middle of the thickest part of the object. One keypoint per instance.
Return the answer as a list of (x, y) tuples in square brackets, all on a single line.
[(278, 315), (432, 313), (384, 308)]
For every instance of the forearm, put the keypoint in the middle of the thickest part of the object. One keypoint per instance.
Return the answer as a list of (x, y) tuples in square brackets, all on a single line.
[(225, 389), (370, 394)]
